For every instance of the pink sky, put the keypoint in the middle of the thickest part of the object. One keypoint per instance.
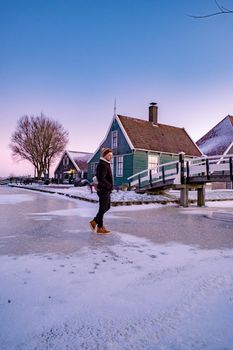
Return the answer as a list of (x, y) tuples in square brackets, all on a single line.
[(76, 59)]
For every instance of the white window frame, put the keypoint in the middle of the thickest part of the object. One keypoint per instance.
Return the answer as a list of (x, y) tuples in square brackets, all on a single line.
[(114, 139), (119, 166), (112, 166), (153, 163)]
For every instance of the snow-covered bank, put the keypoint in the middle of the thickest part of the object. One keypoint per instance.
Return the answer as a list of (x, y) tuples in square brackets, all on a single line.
[(133, 295), (130, 197)]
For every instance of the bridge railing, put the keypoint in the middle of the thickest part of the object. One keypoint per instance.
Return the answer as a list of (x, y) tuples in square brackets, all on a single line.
[(162, 173), (182, 170), (212, 165)]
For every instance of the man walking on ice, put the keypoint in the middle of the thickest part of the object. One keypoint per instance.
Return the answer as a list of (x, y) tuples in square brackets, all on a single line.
[(104, 189)]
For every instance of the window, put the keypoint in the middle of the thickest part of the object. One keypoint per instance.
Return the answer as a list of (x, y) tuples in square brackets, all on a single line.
[(93, 168), (65, 160), (153, 162), (119, 166), (114, 139)]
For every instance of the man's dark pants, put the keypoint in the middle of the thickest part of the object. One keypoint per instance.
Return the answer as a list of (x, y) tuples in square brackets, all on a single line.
[(104, 206)]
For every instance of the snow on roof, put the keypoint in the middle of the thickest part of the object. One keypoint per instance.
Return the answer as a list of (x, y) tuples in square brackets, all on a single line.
[(79, 154), (80, 159), (218, 139)]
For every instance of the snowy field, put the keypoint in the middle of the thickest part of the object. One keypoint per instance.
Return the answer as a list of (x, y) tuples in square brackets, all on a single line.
[(121, 291)]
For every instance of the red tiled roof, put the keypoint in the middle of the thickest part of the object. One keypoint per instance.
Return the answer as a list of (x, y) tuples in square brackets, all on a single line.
[(158, 137), (231, 119)]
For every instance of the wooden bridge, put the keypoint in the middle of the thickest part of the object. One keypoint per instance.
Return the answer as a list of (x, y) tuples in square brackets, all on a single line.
[(184, 175)]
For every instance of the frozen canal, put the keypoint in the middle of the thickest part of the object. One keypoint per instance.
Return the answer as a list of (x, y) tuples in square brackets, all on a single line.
[(162, 280)]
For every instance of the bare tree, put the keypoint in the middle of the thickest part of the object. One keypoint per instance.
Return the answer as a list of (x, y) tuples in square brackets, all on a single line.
[(222, 10), (39, 140)]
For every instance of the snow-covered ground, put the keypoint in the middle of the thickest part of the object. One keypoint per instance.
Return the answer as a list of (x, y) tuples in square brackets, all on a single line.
[(119, 292), (128, 197), (133, 295)]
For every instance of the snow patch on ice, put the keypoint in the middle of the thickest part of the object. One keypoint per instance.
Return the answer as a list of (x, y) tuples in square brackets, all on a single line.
[(220, 204), (73, 231), (15, 198)]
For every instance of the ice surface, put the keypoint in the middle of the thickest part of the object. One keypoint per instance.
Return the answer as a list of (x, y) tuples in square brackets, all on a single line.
[(119, 292)]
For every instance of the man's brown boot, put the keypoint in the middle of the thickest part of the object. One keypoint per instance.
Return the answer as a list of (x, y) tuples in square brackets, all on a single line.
[(102, 230), (93, 225)]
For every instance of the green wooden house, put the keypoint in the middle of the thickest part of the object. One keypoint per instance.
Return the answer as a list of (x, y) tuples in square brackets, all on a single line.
[(142, 144)]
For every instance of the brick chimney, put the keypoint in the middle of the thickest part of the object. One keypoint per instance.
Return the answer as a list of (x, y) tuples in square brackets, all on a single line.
[(153, 113)]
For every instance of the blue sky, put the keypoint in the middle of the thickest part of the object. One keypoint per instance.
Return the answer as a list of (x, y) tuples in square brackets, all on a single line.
[(71, 58)]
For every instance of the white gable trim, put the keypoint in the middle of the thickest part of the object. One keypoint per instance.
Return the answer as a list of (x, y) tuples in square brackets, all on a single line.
[(73, 162), (102, 140), (115, 116), (60, 161), (228, 148), (124, 133)]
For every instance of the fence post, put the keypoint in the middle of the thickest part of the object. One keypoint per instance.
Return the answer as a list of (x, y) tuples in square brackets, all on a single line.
[(187, 167), (207, 168), (181, 160), (163, 174), (231, 168), (223, 163), (201, 196), (150, 174), (184, 196), (139, 181)]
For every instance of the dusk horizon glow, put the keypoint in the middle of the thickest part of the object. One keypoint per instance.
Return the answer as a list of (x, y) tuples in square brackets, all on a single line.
[(71, 59)]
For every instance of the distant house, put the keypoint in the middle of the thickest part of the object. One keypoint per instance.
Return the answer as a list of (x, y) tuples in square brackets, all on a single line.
[(218, 141), (139, 144), (72, 165)]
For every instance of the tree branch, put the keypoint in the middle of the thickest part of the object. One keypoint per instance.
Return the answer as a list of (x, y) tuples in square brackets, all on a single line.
[(222, 11), (39, 140)]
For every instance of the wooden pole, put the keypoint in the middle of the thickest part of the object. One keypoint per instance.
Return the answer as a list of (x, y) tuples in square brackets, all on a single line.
[(150, 173), (184, 196), (181, 160), (201, 196)]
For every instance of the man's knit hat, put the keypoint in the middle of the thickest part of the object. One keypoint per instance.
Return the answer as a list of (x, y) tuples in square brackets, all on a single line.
[(105, 151)]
